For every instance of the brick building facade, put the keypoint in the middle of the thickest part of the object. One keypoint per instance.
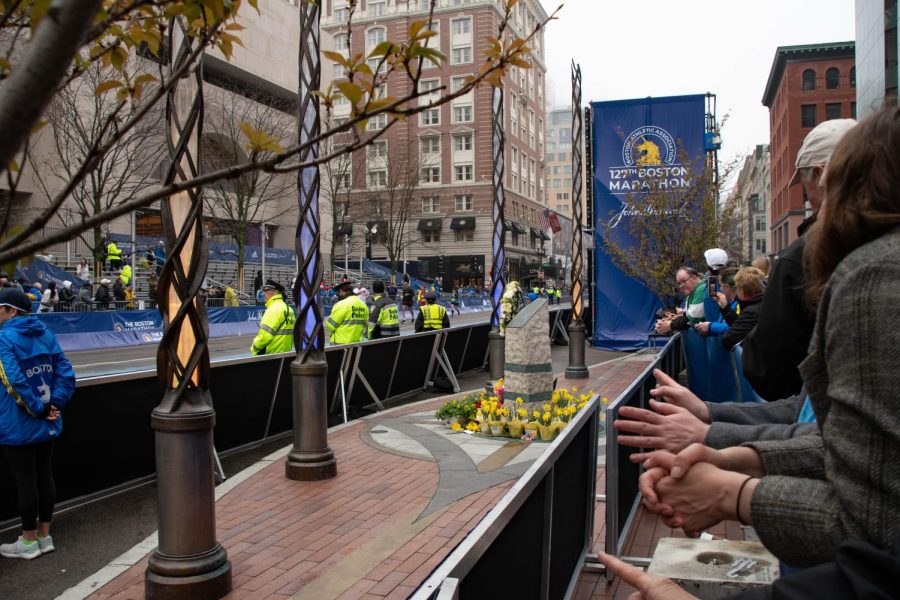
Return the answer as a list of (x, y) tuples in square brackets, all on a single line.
[(807, 85), (428, 179)]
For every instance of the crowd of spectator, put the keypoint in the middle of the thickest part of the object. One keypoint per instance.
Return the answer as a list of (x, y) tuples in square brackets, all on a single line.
[(816, 469)]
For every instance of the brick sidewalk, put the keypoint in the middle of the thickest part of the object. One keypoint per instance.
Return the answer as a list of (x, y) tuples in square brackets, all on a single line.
[(360, 534)]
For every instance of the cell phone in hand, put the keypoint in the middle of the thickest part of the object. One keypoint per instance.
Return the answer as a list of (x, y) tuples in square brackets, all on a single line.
[(712, 285)]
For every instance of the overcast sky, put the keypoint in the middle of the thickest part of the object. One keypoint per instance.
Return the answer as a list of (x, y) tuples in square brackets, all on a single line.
[(639, 48)]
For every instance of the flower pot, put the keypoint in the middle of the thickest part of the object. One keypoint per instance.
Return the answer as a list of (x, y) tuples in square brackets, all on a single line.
[(516, 428), (533, 431), (497, 429), (463, 421), (485, 427), (548, 433), (558, 426)]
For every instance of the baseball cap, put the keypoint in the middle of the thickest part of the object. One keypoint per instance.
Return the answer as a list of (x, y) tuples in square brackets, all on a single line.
[(819, 144), (271, 284), (716, 258), (15, 298)]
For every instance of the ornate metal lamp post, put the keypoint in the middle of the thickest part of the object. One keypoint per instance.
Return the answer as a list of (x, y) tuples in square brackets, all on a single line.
[(310, 459), (189, 562), (498, 242), (576, 369)]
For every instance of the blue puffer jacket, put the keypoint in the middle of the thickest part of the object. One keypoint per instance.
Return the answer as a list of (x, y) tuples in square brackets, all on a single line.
[(34, 373)]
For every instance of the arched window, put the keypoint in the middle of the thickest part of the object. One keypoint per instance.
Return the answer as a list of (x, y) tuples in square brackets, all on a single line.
[(853, 77), (341, 41), (375, 36), (832, 78), (809, 80)]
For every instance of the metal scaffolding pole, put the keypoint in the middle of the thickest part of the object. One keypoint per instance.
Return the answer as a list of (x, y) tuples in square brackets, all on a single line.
[(310, 458), (188, 563)]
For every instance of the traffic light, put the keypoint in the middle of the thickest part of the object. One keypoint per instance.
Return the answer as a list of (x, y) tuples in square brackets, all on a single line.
[(440, 265)]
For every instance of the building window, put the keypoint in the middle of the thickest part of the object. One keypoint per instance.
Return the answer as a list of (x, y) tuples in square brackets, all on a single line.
[(465, 235), (377, 123), (809, 80), (378, 65), (430, 237), (853, 77), (376, 9), (462, 114), (431, 204), (431, 144), (340, 72), (807, 115), (760, 223), (342, 41), (461, 55), (432, 116), (375, 36), (462, 142), (460, 26), (377, 178), (761, 246), (463, 203), (343, 181), (832, 111), (463, 173), (431, 175), (853, 110), (378, 150), (429, 85), (342, 15), (832, 78)]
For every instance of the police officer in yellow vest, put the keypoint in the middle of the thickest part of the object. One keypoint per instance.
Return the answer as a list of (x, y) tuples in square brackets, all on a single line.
[(276, 329), (114, 256), (384, 320), (349, 317), (431, 316)]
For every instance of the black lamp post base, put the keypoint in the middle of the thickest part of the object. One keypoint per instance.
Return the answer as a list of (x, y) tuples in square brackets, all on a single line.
[(576, 369), (310, 459), (497, 359)]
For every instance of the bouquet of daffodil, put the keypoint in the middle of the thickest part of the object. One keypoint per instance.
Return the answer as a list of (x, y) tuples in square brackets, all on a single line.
[(510, 303)]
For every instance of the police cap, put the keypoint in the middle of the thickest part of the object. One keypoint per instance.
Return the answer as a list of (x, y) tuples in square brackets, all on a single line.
[(430, 296), (271, 284), (343, 285)]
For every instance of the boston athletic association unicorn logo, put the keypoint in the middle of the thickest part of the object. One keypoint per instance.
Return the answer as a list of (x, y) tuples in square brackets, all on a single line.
[(647, 154)]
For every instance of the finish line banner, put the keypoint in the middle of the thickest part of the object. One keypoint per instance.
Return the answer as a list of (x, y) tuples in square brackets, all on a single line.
[(635, 142)]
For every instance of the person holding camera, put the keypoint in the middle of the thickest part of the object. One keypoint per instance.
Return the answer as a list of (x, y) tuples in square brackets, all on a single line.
[(689, 283)]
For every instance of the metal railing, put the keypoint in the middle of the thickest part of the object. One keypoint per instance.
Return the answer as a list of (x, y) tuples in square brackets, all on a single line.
[(534, 541), (622, 497)]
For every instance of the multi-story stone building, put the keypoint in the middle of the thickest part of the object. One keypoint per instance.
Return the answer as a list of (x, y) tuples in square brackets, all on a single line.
[(558, 160), (807, 85), (751, 198), (877, 49), (422, 192)]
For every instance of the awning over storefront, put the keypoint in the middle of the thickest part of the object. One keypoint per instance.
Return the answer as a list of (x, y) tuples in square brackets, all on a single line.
[(430, 224), (535, 232), (459, 223), (514, 227), (544, 235)]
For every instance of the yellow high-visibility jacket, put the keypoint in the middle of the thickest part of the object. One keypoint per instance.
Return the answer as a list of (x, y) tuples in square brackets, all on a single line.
[(113, 252), (276, 329), (384, 320), (125, 274), (231, 298), (347, 322), (431, 316)]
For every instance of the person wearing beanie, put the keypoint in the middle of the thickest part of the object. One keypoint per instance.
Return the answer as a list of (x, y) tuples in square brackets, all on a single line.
[(276, 328), (384, 320), (66, 296), (38, 382)]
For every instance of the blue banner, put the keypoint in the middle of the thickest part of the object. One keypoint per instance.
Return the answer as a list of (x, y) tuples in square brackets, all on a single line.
[(635, 142), (217, 251), (39, 270)]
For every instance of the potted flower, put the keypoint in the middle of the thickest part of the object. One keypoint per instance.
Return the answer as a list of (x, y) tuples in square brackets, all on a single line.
[(531, 427), (517, 424), (544, 426)]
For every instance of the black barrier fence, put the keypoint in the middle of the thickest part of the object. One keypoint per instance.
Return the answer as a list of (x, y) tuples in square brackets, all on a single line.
[(107, 444), (622, 496), (538, 535)]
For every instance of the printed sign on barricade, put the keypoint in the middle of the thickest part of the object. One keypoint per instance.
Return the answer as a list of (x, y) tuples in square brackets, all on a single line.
[(41, 270), (636, 143)]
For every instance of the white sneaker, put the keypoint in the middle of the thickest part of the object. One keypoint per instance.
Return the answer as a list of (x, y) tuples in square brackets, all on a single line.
[(46, 544), (19, 549)]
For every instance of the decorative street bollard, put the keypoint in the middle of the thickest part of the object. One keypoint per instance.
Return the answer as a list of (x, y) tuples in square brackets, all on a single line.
[(496, 348), (310, 458), (188, 563), (577, 368)]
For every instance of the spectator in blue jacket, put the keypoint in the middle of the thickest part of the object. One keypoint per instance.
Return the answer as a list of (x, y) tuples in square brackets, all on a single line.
[(728, 305), (37, 383)]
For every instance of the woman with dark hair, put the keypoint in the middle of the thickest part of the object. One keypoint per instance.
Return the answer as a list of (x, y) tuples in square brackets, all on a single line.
[(807, 495), (49, 298)]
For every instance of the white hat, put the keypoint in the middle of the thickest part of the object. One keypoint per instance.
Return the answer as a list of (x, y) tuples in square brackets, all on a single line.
[(819, 144), (716, 258), (104, 282), (67, 284)]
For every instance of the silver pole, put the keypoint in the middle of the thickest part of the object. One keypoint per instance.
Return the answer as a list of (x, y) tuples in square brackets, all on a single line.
[(263, 243)]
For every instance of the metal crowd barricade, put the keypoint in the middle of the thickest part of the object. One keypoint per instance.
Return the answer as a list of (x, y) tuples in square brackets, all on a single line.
[(538, 535), (622, 497)]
